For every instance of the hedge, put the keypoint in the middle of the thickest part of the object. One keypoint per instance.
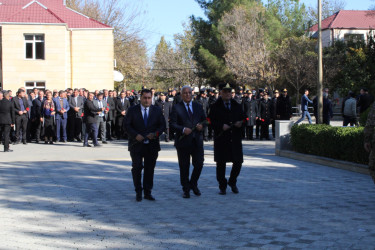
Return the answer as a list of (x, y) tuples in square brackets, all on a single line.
[(341, 143)]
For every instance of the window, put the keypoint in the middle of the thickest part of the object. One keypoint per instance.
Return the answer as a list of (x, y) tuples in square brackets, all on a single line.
[(354, 38), (34, 47), (39, 85)]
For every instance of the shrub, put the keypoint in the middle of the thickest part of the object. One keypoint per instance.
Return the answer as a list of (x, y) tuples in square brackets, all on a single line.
[(341, 143)]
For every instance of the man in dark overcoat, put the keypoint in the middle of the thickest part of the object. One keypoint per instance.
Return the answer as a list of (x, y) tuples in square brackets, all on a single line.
[(227, 117), (166, 108), (250, 107)]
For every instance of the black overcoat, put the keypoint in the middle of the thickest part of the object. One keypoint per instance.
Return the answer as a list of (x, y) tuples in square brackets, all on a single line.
[(227, 144), (250, 107)]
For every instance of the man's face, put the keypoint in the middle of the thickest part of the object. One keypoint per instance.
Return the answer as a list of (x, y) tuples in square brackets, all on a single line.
[(122, 95), (81, 92), (307, 92), (76, 93), (226, 94), (35, 92), (100, 97), (32, 94), (233, 94), (22, 94), (285, 94), (174, 92), (1, 95), (277, 95), (62, 95), (146, 99), (91, 96), (41, 95), (186, 95), (162, 97), (110, 94), (362, 92), (106, 93)]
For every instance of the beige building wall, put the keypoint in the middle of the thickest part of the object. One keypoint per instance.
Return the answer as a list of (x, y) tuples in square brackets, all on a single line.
[(17, 69), (93, 53)]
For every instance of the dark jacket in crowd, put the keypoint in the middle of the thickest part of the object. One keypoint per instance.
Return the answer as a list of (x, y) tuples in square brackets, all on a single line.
[(364, 102), (90, 111), (284, 108), (266, 110), (7, 114), (166, 109), (250, 107)]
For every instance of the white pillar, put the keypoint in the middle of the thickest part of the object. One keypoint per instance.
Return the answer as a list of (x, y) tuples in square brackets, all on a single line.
[(283, 129)]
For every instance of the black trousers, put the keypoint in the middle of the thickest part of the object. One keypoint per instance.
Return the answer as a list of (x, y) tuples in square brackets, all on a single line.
[(264, 131), (75, 127), (257, 126), (5, 129), (109, 131), (21, 127), (249, 132), (119, 129), (146, 160), (38, 130), (220, 174), (197, 158)]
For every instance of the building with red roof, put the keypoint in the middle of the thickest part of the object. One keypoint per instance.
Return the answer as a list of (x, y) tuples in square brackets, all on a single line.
[(346, 25), (45, 44)]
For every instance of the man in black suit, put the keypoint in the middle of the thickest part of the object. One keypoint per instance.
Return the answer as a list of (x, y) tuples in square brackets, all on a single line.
[(227, 118), (90, 114), (21, 109), (186, 120), (36, 111), (166, 108), (7, 119), (76, 103), (122, 107), (111, 105), (143, 123)]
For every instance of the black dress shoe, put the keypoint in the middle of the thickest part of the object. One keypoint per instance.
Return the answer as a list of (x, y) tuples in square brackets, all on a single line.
[(186, 195), (138, 197), (8, 150), (97, 145), (16, 142), (196, 191), (223, 192), (78, 140), (234, 189), (51, 142), (149, 197), (87, 145), (104, 142)]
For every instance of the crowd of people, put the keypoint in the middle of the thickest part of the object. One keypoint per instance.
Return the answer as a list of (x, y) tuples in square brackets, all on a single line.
[(77, 114)]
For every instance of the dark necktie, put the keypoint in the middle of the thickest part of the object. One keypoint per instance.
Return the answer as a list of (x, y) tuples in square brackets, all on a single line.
[(189, 111), (228, 105), (145, 117)]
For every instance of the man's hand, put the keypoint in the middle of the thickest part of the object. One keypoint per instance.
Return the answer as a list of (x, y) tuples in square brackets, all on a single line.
[(151, 136), (226, 127), (238, 124), (99, 112), (11, 125), (187, 131), (41, 119), (25, 111), (20, 112), (76, 109), (123, 112), (199, 127), (367, 147), (139, 138)]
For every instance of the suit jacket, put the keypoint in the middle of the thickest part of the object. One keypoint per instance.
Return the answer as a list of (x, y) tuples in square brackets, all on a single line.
[(104, 104), (73, 104), (36, 110), (134, 125), (66, 106), (90, 111), (120, 107), (111, 104), (166, 109), (7, 114), (17, 106), (180, 120)]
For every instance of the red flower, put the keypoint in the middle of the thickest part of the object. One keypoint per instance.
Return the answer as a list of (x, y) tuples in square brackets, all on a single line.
[(262, 120), (208, 121), (27, 109), (157, 134), (82, 114), (52, 109), (107, 109)]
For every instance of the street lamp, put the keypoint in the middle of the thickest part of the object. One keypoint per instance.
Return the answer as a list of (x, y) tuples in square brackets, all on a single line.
[(320, 65)]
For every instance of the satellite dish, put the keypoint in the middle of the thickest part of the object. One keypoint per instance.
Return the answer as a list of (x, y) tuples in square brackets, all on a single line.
[(117, 76)]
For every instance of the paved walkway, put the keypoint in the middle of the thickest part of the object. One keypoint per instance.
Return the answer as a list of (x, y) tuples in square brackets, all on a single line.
[(85, 200)]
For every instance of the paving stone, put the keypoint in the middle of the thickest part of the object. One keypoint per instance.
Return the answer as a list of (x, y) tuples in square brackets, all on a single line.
[(84, 199)]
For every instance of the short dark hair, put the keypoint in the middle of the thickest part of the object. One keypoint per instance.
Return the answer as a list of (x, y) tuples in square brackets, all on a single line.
[(145, 91), (306, 90), (352, 94)]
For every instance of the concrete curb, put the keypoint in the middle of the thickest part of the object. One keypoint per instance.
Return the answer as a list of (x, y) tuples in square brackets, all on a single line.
[(345, 165)]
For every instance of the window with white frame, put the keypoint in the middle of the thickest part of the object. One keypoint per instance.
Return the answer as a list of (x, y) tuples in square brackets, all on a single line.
[(354, 38), (29, 85), (34, 46)]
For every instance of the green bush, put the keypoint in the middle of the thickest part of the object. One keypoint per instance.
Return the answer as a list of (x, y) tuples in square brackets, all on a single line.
[(342, 143)]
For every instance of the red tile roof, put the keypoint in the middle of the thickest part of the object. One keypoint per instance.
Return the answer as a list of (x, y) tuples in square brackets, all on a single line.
[(46, 12), (348, 19)]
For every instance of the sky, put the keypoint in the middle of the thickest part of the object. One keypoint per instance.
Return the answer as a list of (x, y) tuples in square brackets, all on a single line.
[(165, 17)]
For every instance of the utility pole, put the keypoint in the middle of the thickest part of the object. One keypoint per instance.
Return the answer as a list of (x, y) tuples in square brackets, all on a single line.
[(320, 65)]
